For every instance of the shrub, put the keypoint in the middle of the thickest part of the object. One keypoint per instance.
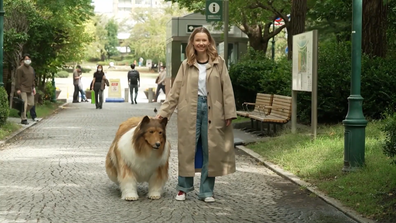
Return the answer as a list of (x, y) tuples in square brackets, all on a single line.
[(334, 72), (62, 74), (334, 85), (4, 106), (256, 73), (70, 70), (389, 129), (49, 91)]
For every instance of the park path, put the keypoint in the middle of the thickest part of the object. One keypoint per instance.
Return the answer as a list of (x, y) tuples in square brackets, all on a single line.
[(54, 172)]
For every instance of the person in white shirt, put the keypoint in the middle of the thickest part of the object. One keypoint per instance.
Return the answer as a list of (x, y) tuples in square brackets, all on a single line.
[(203, 94)]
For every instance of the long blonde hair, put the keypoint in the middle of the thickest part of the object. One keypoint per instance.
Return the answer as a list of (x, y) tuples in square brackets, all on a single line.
[(190, 51)]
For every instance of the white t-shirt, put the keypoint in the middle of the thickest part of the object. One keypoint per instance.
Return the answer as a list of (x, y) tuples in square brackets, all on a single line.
[(202, 79)]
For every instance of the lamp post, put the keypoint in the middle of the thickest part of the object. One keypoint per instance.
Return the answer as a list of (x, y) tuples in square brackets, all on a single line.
[(1, 41), (355, 123), (53, 99)]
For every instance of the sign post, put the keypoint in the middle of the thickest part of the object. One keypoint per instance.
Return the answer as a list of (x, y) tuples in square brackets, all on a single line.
[(214, 10), (305, 68)]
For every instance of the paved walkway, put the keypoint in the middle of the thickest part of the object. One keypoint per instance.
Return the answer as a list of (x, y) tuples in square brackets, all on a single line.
[(54, 172)]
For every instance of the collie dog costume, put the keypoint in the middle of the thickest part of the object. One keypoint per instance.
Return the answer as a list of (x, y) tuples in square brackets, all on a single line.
[(139, 153)]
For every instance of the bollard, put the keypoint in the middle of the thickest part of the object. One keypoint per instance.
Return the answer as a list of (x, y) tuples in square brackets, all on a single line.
[(92, 97), (150, 95), (126, 92)]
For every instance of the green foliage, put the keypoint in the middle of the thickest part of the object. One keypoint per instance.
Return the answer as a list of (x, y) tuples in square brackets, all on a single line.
[(112, 40), (4, 106), (56, 34), (389, 128), (334, 85), (62, 74), (49, 91), (255, 73), (332, 19), (334, 71)]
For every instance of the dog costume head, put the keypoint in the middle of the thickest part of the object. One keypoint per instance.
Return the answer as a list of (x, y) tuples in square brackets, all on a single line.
[(152, 132)]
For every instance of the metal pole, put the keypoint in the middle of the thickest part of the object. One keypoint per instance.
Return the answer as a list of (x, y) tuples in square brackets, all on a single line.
[(53, 99), (1, 41), (273, 41), (226, 32), (355, 123)]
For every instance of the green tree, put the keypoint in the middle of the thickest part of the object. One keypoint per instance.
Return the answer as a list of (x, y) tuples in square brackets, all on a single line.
[(334, 17), (56, 35), (95, 29), (16, 26), (112, 40), (148, 36)]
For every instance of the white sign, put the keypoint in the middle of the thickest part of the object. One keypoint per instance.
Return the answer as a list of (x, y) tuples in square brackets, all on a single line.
[(114, 88), (303, 61)]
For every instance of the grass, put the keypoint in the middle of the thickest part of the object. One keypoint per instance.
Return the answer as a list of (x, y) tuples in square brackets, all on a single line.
[(240, 119), (7, 129), (371, 190), (42, 111)]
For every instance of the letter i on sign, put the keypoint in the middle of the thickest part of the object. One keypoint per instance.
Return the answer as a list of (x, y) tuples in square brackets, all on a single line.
[(215, 7)]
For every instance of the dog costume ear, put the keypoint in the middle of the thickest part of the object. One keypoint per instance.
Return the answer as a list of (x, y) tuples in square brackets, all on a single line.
[(145, 121), (164, 121)]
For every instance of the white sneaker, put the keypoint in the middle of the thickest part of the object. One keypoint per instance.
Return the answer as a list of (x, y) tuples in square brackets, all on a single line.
[(181, 196), (209, 199), (36, 119)]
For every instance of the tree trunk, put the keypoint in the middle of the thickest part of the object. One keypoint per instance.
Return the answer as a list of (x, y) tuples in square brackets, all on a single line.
[(256, 39), (297, 23), (373, 28), (257, 43)]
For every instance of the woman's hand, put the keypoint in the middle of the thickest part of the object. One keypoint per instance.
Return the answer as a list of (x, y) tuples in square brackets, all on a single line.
[(158, 117), (228, 122)]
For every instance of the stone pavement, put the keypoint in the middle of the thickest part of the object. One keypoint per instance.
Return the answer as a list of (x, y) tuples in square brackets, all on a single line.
[(54, 171)]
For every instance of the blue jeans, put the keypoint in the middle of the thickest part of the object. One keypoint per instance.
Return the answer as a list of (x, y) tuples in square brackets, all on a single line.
[(186, 184), (82, 92)]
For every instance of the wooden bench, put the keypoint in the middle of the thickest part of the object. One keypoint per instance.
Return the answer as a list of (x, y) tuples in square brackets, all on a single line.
[(259, 109), (280, 112)]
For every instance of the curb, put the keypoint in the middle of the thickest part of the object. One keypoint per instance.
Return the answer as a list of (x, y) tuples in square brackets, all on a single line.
[(285, 174), (13, 135)]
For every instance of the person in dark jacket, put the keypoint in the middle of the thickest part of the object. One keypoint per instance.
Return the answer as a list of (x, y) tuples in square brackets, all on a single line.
[(98, 76), (134, 82)]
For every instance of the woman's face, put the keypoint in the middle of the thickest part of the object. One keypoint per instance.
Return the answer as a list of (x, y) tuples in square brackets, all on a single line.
[(100, 68), (201, 42)]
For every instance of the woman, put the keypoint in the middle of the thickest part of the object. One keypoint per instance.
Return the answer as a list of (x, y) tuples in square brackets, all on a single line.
[(203, 94), (160, 81), (98, 76)]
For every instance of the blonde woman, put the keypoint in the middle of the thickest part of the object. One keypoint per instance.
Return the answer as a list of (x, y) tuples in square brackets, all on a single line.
[(203, 94)]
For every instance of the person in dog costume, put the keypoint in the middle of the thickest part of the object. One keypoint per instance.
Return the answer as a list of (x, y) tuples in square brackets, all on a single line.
[(203, 94)]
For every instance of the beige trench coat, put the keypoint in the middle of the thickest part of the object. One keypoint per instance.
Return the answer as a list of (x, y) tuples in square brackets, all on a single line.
[(221, 106)]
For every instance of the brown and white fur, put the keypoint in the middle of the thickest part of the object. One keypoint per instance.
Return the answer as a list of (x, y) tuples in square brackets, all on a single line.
[(139, 153)]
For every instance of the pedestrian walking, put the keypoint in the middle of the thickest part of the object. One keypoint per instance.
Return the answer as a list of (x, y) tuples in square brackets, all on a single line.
[(76, 80), (160, 81), (98, 85), (81, 87), (25, 86), (133, 82), (32, 111), (203, 94)]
